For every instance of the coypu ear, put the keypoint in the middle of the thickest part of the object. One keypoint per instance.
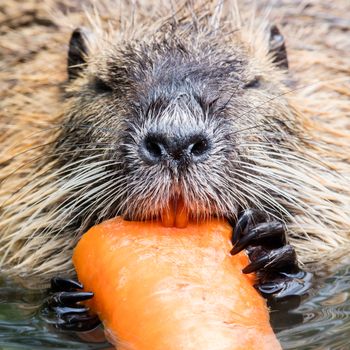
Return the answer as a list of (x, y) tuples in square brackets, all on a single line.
[(77, 52), (277, 48)]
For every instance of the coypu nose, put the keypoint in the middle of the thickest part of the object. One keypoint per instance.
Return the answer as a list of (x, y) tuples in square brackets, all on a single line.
[(159, 147)]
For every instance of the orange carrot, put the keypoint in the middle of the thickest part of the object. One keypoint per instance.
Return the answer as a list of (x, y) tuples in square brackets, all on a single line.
[(168, 288)]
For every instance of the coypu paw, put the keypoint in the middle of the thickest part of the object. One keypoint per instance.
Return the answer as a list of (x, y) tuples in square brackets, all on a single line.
[(62, 309), (274, 261)]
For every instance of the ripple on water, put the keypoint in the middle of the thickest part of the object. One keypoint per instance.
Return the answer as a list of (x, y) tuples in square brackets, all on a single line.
[(326, 321)]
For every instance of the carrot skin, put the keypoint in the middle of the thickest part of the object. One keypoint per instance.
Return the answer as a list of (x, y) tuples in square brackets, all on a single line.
[(160, 288)]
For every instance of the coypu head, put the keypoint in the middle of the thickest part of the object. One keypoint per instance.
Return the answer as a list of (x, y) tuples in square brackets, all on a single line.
[(168, 102), (179, 116)]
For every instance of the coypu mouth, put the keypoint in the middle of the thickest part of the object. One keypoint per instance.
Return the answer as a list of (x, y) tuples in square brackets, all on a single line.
[(175, 214)]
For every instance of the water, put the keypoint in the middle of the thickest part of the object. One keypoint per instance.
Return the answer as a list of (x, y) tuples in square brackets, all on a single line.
[(22, 327), (321, 321), (325, 315)]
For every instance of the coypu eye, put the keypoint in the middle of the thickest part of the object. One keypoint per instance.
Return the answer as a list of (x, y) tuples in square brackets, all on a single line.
[(100, 86), (253, 84)]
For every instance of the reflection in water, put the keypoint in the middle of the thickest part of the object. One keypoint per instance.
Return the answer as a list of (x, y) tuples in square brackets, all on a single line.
[(325, 322), (321, 321)]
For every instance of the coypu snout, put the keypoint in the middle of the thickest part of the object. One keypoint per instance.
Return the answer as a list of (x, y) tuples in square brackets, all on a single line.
[(176, 150)]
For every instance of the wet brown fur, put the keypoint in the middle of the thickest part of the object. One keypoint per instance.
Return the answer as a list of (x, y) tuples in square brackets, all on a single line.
[(315, 93)]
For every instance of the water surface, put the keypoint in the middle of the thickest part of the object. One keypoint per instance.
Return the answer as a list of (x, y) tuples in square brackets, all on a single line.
[(321, 321)]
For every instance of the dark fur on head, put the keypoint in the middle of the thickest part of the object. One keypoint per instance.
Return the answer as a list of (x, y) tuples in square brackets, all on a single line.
[(193, 75), (178, 85)]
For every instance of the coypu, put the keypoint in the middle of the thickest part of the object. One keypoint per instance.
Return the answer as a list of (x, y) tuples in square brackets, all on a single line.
[(196, 105)]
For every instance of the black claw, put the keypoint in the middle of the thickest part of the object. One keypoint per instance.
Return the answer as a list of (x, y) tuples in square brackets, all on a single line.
[(62, 309), (260, 234), (78, 323), (270, 287), (59, 284), (287, 285), (271, 258), (274, 260), (239, 228), (249, 216), (69, 298), (65, 310), (256, 265)]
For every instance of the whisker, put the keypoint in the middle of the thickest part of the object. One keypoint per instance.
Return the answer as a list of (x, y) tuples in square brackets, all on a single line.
[(49, 174), (50, 154), (270, 99)]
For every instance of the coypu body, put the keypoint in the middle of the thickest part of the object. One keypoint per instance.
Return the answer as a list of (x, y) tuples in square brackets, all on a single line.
[(168, 102)]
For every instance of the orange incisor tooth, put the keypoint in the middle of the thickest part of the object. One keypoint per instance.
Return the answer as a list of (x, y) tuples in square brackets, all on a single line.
[(181, 219), (168, 215), (175, 214)]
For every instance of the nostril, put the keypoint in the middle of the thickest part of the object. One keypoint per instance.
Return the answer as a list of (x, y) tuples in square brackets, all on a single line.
[(200, 147), (153, 148), (158, 147)]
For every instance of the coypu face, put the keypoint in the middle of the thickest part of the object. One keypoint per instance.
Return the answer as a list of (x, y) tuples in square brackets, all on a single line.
[(150, 123)]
